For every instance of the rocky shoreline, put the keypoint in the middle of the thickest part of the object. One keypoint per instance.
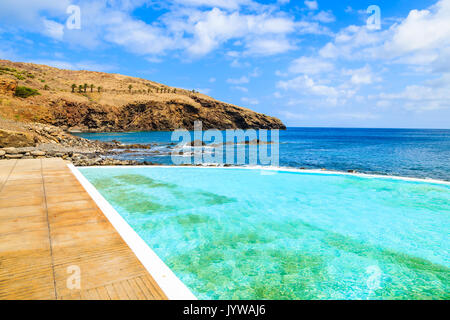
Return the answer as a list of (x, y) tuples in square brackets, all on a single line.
[(20, 140), (37, 141), (91, 159)]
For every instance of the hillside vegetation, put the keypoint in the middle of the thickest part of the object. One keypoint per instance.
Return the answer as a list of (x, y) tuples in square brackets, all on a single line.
[(97, 101)]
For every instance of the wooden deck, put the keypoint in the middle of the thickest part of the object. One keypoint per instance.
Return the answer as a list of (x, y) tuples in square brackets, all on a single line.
[(49, 226)]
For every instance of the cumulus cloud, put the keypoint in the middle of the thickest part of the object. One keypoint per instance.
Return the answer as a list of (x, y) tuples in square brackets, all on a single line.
[(28, 14), (53, 29), (309, 65), (306, 84), (312, 5), (268, 47), (325, 17), (81, 65), (307, 87), (263, 34), (197, 27), (250, 101), (138, 36), (422, 30), (362, 75), (431, 95), (419, 39), (34, 16), (240, 80), (240, 88), (223, 4)]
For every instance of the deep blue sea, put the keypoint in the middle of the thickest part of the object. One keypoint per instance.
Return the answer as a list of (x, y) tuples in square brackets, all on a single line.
[(421, 153)]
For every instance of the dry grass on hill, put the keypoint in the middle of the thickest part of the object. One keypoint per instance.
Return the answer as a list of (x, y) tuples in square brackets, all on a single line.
[(114, 87), (122, 103)]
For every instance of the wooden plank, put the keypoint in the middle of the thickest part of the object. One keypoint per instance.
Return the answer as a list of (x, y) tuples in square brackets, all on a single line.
[(48, 224), (112, 292), (145, 291), (136, 289), (103, 293), (126, 286), (123, 295), (153, 287)]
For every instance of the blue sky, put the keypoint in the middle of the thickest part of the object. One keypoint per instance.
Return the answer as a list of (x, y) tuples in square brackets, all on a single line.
[(310, 63)]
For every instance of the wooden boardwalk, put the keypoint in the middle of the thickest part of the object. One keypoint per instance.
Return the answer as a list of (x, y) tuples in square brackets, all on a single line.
[(49, 228)]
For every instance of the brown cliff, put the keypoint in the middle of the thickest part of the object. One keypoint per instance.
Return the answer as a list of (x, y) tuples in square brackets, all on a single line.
[(114, 103)]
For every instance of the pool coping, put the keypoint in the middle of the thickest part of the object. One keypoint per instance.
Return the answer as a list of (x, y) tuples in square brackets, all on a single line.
[(287, 169), (169, 283)]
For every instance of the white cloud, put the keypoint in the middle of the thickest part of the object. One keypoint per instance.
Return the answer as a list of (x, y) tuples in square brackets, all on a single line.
[(325, 17), (277, 95), (240, 88), (8, 54), (353, 116), (312, 5), (383, 103), (362, 76), (267, 47), (233, 54), (137, 36), (279, 73), (34, 16), (240, 80), (238, 64), (431, 95), (250, 101), (306, 84), (154, 59), (223, 4), (82, 65), (53, 29), (309, 65), (212, 28), (197, 27), (419, 39), (323, 116), (292, 115), (423, 30), (243, 80), (27, 13), (204, 90)]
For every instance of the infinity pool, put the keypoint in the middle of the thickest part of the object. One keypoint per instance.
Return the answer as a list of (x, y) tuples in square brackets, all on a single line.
[(257, 234)]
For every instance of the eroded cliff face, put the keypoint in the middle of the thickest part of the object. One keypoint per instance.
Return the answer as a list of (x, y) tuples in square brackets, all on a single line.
[(112, 102), (156, 115)]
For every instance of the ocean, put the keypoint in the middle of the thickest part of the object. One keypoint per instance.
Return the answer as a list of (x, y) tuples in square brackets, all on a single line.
[(419, 153)]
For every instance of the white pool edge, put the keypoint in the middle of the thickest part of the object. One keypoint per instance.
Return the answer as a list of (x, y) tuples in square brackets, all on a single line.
[(169, 283), (289, 169)]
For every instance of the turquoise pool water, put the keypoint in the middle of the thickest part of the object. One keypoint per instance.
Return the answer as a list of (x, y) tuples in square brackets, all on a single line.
[(252, 234)]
